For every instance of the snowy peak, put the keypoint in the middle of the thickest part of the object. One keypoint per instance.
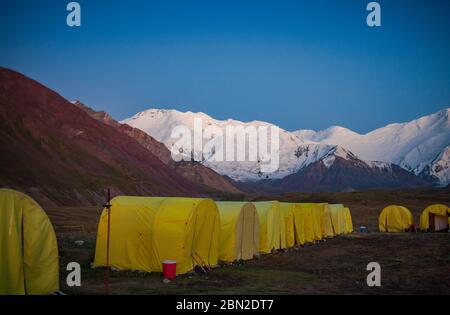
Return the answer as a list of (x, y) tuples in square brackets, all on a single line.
[(439, 169), (305, 135), (417, 146), (413, 145), (295, 153), (159, 123), (334, 152), (327, 134)]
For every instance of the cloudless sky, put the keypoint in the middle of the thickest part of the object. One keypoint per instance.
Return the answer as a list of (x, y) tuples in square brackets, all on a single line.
[(299, 64)]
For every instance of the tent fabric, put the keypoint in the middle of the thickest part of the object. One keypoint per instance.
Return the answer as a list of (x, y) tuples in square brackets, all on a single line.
[(437, 210), (315, 210), (288, 238), (348, 221), (28, 247), (395, 219), (270, 227), (440, 223), (145, 231), (327, 223), (239, 231), (304, 223), (316, 213), (339, 219)]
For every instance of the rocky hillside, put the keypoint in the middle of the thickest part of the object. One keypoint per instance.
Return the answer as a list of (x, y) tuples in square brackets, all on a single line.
[(59, 154)]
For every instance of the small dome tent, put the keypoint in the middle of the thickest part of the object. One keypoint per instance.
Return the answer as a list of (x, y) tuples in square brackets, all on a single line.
[(28, 247), (270, 227), (145, 231), (288, 239), (435, 218), (395, 219), (239, 231)]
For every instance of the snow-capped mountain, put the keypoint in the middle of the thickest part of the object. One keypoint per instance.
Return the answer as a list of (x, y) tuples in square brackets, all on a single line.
[(295, 154), (420, 146), (438, 170), (298, 153), (339, 171)]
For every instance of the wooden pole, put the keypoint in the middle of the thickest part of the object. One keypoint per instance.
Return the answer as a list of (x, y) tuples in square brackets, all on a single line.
[(108, 207)]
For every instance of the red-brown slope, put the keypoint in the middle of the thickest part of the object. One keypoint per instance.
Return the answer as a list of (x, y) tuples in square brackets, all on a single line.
[(195, 172), (58, 153)]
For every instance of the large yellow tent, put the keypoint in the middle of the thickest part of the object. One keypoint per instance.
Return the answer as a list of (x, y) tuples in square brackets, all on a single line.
[(435, 217), (288, 238), (304, 223), (348, 221), (339, 219), (146, 231), (316, 213), (314, 224), (395, 219), (28, 247), (270, 227), (327, 223), (239, 231)]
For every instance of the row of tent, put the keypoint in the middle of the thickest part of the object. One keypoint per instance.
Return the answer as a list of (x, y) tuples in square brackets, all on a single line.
[(396, 219), (141, 232), (144, 231)]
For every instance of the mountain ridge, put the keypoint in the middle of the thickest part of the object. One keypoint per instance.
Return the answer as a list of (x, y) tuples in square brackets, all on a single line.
[(302, 148), (418, 143), (60, 155), (192, 171)]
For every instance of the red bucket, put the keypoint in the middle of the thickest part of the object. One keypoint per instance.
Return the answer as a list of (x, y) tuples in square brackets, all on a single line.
[(170, 269)]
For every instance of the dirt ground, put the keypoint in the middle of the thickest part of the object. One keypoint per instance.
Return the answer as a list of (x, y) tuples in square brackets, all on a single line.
[(410, 263)]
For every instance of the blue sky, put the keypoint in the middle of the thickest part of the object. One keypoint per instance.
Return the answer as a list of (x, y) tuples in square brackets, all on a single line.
[(299, 64)]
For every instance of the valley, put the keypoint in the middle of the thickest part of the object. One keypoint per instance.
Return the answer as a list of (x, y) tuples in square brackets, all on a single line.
[(78, 153), (411, 263)]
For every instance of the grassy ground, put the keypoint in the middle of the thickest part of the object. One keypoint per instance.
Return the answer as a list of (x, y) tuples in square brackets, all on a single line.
[(411, 263)]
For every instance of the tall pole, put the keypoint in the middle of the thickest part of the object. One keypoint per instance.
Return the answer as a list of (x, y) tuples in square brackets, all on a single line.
[(108, 208)]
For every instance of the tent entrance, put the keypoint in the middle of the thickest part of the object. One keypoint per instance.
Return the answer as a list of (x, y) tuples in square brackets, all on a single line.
[(438, 222)]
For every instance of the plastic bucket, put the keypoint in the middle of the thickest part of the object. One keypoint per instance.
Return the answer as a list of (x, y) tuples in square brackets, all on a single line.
[(170, 269)]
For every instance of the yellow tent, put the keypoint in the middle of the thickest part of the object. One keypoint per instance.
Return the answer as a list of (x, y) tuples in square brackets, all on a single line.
[(239, 231), (348, 221), (146, 231), (435, 218), (288, 239), (395, 219), (316, 212), (270, 227), (339, 219), (28, 247), (304, 223), (327, 224)]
